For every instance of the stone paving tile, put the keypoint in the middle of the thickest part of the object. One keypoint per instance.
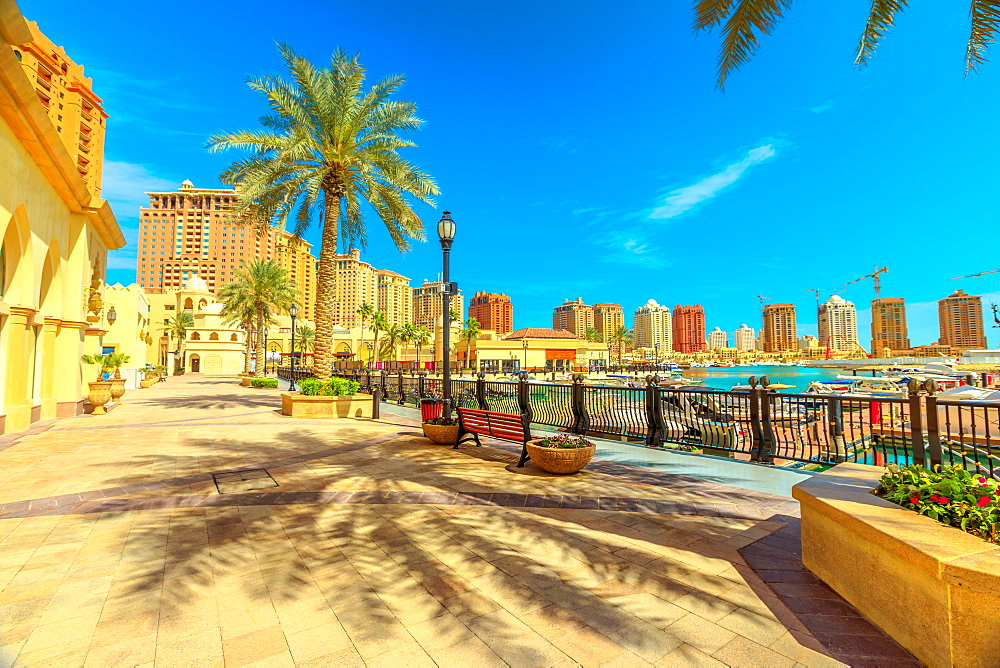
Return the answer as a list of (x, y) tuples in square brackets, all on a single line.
[(377, 548)]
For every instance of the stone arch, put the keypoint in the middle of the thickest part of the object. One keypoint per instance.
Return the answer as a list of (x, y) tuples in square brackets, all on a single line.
[(213, 336), (50, 287), (194, 363), (189, 304), (17, 281), (202, 304), (195, 336), (234, 337)]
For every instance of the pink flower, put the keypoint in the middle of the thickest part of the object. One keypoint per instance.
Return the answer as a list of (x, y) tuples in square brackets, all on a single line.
[(983, 501)]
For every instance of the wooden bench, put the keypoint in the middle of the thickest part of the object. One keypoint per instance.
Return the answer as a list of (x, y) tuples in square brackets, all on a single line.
[(505, 426)]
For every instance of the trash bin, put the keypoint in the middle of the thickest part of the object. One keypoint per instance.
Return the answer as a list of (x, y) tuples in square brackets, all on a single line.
[(430, 408)]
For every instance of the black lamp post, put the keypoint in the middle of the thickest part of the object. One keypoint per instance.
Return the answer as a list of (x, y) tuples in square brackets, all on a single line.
[(446, 233), (265, 351), (293, 311), (275, 348), (524, 346)]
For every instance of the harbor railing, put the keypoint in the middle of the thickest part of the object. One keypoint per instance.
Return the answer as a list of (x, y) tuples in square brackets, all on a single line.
[(757, 425)]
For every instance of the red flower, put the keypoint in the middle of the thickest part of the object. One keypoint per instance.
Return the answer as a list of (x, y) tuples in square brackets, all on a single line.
[(939, 499), (983, 501), (914, 500)]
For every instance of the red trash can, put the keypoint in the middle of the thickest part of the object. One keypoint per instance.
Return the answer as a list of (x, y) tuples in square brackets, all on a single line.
[(430, 408)]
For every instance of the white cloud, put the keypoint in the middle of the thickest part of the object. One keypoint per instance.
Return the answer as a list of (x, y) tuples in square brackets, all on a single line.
[(821, 108), (684, 199), (634, 249), (125, 183)]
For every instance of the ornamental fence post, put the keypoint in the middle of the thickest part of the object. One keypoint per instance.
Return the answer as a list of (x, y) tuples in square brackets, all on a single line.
[(376, 402), (523, 400), (652, 410), (578, 405), (933, 435), (481, 391), (916, 424), (421, 385), (402, 391)]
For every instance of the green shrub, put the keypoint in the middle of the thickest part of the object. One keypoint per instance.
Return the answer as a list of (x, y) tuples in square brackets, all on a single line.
[(335, 387), (948, 494), (443, 422), (264, 382)]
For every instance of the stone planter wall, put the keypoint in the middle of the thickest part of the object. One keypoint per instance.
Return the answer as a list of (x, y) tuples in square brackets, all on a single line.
[(933, 588), (298, 405)]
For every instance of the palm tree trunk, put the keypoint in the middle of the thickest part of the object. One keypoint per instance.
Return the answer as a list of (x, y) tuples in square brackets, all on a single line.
[(259, 341), (361, 345), (246, 352), (326, 277), (418, 356)]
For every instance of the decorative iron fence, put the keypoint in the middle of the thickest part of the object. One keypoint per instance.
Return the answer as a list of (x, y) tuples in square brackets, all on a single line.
[(757, 425), (285, 373)]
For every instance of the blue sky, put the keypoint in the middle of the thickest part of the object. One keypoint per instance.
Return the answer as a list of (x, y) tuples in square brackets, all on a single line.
[(585, 152)]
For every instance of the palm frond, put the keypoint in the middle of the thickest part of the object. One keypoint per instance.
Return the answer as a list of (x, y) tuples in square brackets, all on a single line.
[(985, 20), (749, 20), (710, 13), (880, 18)]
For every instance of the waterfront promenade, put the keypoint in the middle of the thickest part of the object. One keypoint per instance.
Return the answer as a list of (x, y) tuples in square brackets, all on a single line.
[(194, 525)]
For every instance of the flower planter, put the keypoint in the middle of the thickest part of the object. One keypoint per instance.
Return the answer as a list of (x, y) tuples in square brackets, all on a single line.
[(933, 588), (117, 389), (147, 383), (99, 394), (441, 434), (245, 381), (296, 404), (560, 460)]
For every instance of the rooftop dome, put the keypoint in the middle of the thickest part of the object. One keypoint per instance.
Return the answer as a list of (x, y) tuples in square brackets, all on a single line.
[(196, 284), (186, 183), (651, 302)]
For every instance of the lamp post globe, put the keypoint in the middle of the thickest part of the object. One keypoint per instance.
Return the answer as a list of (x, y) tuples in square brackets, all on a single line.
[(446, 234)]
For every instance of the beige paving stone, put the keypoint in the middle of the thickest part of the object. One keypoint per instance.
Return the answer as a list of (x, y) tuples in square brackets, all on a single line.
[(78, 630), (261, 644), (687, 656), (470, 652), (705, 605), (700, 633), (513, 641), (440, 632), (752, 626), (317, 641), (127, 651), (742, 653), (589, 647), (196, 648)]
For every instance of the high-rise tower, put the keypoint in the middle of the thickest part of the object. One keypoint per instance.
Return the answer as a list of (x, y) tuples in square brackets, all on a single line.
[(493, 311), (838, 324), (607, 319), (573, 316), (960, 318), (779, 328), (652, 327), (689, 329), (889, 325), (718, 339), (745, 339)]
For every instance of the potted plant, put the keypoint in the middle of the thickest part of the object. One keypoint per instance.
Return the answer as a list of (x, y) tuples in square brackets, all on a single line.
[(441, 430), (336, 397), (117, 360), (563, 453), (149, 376), (100, 390)]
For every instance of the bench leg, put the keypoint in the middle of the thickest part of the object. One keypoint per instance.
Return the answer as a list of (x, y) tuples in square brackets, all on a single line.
[(524, 455), (464, 437)]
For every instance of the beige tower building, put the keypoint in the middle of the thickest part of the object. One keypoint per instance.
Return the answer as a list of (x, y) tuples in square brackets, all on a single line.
[(960, 318), (779, 328), (68, 97), (394, 297), (745, 339), (608, 318), (294, 256), (889, 325), (717, 338), (652, 327), (356, 284), (573, 316), (838, 324), (427, 304)]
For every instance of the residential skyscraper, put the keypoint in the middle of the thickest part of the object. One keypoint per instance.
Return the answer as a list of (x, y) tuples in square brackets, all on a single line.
[(745, 339), (573, 316), (608, 318), (493, 311), (838, 324), (960, 318), (294, 256), (427, 304), (689, 328), (718, 339), (652, 327), (889, 325), (76, 112), (394, 297), (779, 328)]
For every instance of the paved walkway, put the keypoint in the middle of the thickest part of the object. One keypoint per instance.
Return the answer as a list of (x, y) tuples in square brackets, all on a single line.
[(194, 525)]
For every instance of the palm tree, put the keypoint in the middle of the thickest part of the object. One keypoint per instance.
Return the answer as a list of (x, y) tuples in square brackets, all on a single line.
[(591, 335), (267, 287), (406, 336), (745, 21), (470, 332), (305, 336), (177, 327), (420, 337), (239, 310), (379, 324), (621, 337), (327, 148), (366, 311), (393, 337)]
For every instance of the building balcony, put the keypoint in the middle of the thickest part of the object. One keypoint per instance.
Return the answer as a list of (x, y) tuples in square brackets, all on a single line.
[(86, 115), (43, 83), (84, 147)]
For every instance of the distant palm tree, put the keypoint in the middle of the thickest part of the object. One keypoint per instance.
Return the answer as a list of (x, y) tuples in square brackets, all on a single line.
[(176, 328), (327, 148), (621, 337), (745, 21), (470, 332), (379, 324), (591, 335), (406, 336), (420, 339), (393, 337), (240, 310), (268, 288), (305, 337), (366, 311)]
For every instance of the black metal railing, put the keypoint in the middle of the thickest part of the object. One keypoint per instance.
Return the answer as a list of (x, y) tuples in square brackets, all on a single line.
[(285, 373), (757, 425)]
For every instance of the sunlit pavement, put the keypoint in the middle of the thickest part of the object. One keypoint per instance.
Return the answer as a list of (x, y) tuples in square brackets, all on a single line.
[(358, 542)]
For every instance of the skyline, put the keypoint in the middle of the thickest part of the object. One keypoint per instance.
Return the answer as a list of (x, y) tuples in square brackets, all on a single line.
[(724, 197)]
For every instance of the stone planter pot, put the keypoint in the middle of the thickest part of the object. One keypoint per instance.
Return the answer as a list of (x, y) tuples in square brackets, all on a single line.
[(299, 405), (560, 460), (117, 389), (147, 383), (99, 395), (245, 381), (441, 434), (933, 588)]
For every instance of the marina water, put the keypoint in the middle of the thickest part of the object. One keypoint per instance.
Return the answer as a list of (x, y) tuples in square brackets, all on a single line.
[(723, 378)]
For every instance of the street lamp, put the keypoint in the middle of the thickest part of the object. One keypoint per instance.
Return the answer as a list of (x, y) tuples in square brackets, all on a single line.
[(293, 311), (265, 350), (111, 315), (446, 233), (275, 348), (524, 346)]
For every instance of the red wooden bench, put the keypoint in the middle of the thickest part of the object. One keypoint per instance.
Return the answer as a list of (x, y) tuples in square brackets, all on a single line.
[(505, 426)]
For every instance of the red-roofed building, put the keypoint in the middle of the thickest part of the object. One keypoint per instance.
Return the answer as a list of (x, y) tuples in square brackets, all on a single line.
[(493, 311)]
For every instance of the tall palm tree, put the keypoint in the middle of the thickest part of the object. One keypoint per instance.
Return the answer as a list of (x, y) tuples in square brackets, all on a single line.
[(393, 337), (591, 335), (621, 337), (366, 311), (176, 328), (328, 147), (406, 336), (420, 339), (470, 332), (239, 310), (745, 21), (267, 287), (305, 337), (379, 324)]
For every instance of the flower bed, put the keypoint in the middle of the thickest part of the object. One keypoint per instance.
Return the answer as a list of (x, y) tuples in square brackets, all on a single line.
[(950, 494), (563, 441), (561, 454), (442, 422)]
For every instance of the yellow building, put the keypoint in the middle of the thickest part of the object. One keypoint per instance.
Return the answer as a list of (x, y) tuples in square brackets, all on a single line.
[(573, 316), (71, 105), (55, 237), (607, 319), (428, 304), (533, 348), (130, 333), (294, 256)]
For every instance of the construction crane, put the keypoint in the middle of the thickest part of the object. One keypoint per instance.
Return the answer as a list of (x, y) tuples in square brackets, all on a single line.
[(816, 292), (763, 321), (996, 316), (875, 278)]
